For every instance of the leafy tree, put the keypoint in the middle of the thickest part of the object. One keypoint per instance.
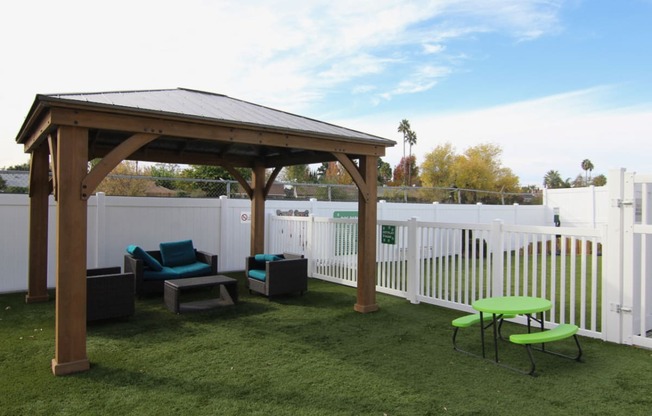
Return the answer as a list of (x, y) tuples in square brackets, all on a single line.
[(21, 167), (212, 173), (125, 186), (321, 172), (166, 170), (3, 183), (437, 167), (335, 174), (579, 182), (479, 168), (384, 172), (600, 180), (298, 174), (407, 164), (587, 166)]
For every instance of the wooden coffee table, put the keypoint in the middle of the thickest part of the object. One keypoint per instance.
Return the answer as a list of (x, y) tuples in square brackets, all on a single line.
[(173, 289)]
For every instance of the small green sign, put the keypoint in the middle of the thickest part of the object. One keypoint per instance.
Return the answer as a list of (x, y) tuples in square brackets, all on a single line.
[(388, 234), (345, 214)]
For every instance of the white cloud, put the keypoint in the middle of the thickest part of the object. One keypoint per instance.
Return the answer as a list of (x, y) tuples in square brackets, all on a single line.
[(287, 54), (423, 79), (433, 48)]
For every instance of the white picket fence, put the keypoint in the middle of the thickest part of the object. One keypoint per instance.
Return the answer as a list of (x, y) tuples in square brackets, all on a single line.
[(452, 265)]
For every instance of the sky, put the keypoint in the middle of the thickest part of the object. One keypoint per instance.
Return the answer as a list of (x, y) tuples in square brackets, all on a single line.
[(552, 82)]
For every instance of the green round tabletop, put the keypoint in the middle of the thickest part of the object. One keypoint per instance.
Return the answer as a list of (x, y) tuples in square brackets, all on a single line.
[(512, 305)]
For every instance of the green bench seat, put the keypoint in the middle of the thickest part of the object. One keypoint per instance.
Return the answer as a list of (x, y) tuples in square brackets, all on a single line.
[(474, 319), (560, 332)]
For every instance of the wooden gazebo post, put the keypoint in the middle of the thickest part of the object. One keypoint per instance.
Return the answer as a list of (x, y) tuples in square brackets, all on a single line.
[(367, 196), (39, 191), (258, 210), (71, 167)]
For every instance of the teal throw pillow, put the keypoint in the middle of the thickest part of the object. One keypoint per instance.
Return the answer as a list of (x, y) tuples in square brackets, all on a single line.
[(177, 253), (141, 254), (266, 257)]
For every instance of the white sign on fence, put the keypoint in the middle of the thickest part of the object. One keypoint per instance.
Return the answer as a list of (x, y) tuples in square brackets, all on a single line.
[(245, 217)]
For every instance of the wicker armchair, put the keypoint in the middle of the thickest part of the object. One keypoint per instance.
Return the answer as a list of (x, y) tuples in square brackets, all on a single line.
[(109, 294), (288, 274)]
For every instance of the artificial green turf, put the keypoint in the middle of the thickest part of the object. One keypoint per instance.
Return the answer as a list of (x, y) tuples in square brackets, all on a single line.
[(303, 355)]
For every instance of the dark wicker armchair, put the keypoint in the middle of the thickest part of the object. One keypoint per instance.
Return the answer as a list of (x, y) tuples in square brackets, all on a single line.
[(288, 274), (109, 294)]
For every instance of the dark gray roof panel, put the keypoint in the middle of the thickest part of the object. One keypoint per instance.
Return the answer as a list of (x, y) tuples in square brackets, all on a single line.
[(217, 107)]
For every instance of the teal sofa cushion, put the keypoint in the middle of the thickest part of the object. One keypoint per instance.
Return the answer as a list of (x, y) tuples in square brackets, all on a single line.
[(165, 273), (177, 253), (258, 274), (194, 269), (266, 257), (141, 254)]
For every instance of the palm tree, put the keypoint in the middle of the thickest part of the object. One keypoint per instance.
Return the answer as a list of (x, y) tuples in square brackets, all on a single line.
[(587, 166), (552, 180), (412, 140), (404, 127)]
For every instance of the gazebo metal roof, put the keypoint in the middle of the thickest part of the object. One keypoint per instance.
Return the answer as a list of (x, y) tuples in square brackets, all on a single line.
[(209, 109)]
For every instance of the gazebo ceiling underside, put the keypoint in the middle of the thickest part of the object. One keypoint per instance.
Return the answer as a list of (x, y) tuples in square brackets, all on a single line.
[(197, 138), (170, 149)]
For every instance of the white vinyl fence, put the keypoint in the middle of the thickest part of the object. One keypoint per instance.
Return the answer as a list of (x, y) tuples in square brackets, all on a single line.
[(629, 299), (452, 265), (596, 268)]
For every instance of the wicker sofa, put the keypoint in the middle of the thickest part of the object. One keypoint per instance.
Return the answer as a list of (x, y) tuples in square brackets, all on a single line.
[(109, 294), (277, 274), (173, 260)]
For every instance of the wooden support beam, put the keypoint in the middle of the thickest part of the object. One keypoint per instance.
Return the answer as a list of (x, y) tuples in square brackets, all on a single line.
[(355, 174), (367, 216), (113, 159), (258, 211), (70, 322), (39, 191), (54, 151), (241, 180), (271, 179)]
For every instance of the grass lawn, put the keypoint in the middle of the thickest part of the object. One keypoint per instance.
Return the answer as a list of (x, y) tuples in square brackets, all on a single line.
[(303, 355)]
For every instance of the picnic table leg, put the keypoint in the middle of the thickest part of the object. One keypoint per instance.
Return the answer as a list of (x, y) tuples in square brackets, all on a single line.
[(482, 333), (495, 337), (543, 345)]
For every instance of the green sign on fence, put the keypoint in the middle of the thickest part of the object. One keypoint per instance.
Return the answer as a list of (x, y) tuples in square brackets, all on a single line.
[(345, 214), (388, 234), (346, 235)]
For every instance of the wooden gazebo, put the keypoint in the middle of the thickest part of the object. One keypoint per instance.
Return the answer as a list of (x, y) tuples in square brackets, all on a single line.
[(63, 132)]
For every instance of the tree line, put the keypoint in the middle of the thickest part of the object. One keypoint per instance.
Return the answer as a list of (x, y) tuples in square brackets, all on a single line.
[(444, 175)]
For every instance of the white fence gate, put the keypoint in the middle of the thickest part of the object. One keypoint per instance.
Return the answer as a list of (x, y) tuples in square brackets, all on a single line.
[(630, 267)]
